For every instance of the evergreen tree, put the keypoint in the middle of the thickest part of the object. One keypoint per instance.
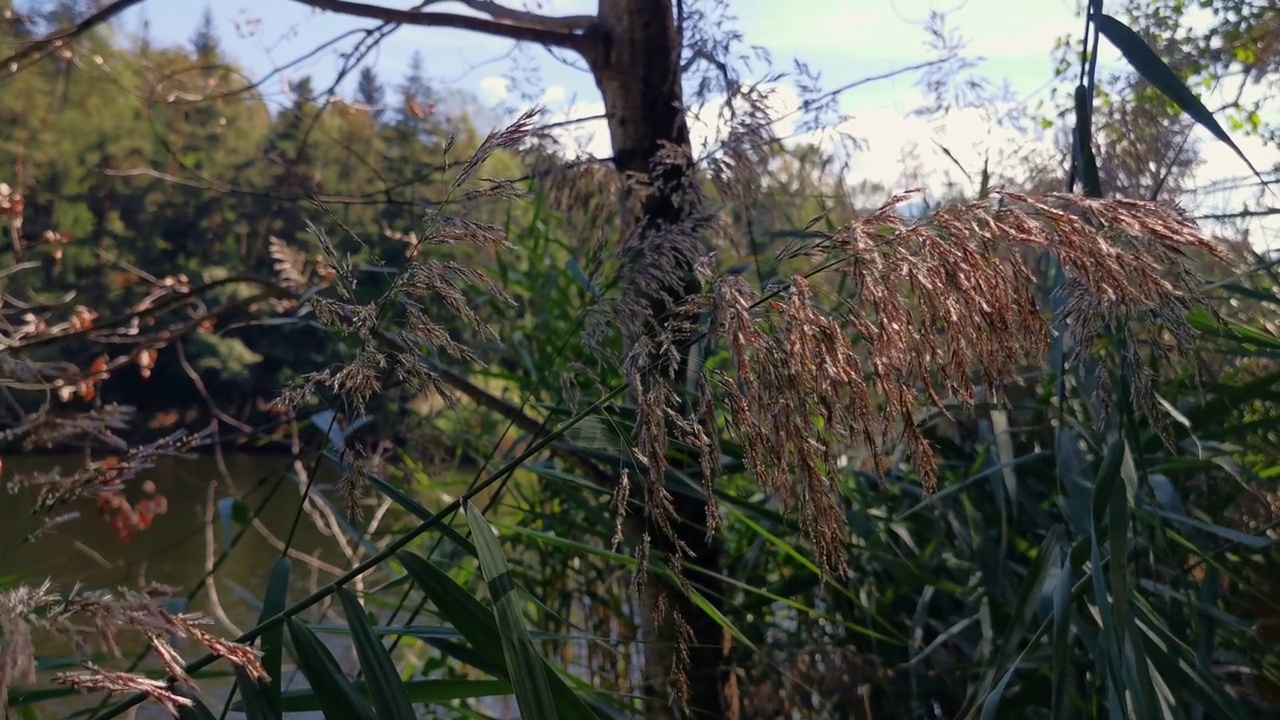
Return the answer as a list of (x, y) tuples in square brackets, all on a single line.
[(205, 40), (304, 92), (417, 98), (369, 92)]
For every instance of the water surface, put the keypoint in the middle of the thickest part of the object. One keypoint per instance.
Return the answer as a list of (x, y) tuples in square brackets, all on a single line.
[(175, 549)]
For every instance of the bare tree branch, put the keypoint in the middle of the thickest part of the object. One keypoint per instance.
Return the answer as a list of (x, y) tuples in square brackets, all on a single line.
[(501, 12), (1261, 212), (565, 32), (15, 62)]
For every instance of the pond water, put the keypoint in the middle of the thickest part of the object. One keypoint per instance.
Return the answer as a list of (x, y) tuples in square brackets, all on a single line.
[(175, 549)]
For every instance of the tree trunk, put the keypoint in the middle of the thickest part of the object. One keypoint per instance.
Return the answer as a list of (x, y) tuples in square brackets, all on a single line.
[(636, 63)]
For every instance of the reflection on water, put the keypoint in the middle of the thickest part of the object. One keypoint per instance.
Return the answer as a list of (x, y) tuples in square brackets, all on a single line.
[(174, 550)]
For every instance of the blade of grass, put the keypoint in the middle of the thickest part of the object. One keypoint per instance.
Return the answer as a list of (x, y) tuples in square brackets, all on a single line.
[(479, 626), (457, 606), (416, 509), (339, 699), (385, 685), (525, 665), (263, 702), (1061, 636), (197, 711), (424, 692), (1155, 71)]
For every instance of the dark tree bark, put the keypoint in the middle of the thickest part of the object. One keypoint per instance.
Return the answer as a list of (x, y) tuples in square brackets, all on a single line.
[(636, 61)]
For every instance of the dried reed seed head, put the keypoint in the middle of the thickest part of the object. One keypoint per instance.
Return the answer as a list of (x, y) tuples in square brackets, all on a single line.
[(290, 263), (361, 379), (104, 477), (572, 187), (509, 137), (494, 188), (441, 229), (443, 280), (52, 428), (657, 276), (94, 678), (412, 372), (17, 653), (941, 307), (740, 169), (621, 496), (350, 486), (83, 616)]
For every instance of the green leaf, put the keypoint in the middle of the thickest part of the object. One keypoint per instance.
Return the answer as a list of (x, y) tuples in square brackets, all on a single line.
[(1061, 636), (386, 687), (197, 711), (263, 702), (478, 625), (1083, 161), (1155, 71), (1021, 614), (273, 603), (438, 632), (593, 433), (1136, 668), (256, 703), (457, 606), (1175, 662), (1253, 541), (762, 594), (524, 664), (991, 704), (416, 509), (423, 692), (578, 274), (339, 699)]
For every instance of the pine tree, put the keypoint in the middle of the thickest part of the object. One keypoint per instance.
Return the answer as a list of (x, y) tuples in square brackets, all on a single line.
[(205, 40), (304, 92), (369, 92), (417, 97)]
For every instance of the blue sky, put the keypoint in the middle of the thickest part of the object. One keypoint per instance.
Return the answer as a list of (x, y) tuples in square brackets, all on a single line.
[(843, 40)]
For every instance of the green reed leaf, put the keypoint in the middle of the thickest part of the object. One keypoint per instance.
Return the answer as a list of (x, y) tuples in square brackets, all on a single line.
[(339, 699), (386, 687), (524, 663)]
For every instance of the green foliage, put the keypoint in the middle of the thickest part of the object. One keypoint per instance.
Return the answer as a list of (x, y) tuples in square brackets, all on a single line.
[(1070, 566), (339, 699), (1163, 78), (138, 164), (524, 664)]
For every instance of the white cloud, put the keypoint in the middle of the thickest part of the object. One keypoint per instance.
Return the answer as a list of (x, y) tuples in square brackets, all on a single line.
[(554, 94), (1222, 168), (1221, 162), (892, 142), (578, 127), (1000, 29), (902, 151), (495, 88), (829, 25), (896, 30), (709, 124)]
